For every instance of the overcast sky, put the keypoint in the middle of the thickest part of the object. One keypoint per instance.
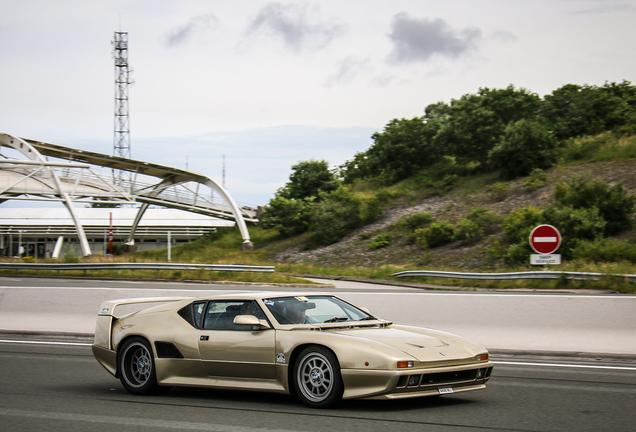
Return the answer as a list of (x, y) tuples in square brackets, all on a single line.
[(269, 84)]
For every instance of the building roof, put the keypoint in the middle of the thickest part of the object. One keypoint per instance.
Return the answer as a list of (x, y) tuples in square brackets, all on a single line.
[(96, 221)]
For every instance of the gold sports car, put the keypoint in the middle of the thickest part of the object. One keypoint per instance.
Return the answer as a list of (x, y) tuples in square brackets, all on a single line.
[(317, 347)]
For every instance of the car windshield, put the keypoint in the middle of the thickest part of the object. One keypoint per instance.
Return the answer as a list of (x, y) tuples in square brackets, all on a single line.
[(314, 309)]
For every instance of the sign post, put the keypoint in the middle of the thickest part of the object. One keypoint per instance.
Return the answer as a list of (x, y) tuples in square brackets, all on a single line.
[(545, 239)]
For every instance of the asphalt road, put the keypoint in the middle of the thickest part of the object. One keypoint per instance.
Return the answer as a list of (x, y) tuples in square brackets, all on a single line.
[(62, 388)]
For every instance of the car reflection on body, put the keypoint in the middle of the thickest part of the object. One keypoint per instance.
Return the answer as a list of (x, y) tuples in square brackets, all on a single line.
[(317, 347)]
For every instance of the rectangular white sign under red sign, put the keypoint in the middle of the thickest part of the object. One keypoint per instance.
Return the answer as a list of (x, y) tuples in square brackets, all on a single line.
[(543, 259)]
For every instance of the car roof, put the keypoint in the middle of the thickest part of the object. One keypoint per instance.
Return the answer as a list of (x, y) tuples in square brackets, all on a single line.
[(256, 295)]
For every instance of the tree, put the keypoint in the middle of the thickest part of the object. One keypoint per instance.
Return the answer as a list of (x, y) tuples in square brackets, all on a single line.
[(402, 149), (575, 110), (288, 216), (290, 210), (335, 216), (476, 122), (525, 145), (310, 179)]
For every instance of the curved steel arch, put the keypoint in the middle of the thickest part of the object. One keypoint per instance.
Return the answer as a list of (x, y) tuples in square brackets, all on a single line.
[(166, 183), (85, 189), (31, 153)]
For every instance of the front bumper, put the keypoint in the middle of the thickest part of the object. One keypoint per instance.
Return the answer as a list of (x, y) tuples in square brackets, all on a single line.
[(415, 382)]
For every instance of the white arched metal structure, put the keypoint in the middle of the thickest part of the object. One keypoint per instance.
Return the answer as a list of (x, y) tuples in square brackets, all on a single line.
[(78, 176)]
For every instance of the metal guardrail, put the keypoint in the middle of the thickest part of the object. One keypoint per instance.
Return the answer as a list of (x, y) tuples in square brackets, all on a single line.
[(512, 276), (131, 266)]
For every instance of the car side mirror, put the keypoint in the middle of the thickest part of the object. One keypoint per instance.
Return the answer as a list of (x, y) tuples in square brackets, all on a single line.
[(250, 320)]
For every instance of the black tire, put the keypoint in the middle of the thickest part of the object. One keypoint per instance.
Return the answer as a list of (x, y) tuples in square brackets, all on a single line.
[(137, 367), (317, 378)]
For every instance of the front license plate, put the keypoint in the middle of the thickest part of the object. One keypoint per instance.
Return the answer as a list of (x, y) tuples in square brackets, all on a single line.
[(446, 390)]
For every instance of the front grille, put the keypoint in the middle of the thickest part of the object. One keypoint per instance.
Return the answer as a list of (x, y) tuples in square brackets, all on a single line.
[(443, 378), (449, 377)]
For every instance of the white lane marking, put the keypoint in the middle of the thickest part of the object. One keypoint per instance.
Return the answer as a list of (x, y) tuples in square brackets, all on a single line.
[(320, 290), (121, 289), (565, 365), (44, 342)]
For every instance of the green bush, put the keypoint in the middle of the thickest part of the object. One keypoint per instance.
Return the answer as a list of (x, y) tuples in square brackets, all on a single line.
[(518, 225), (335, 216), (536, 180), (487, 220), (288, 216), (525, 145), (467, 230), (605, 250), (441, 176), (614, 204), (575, 226), (413, 221), (374, 207), (585, 148), (381, 241), (498, 191), (70, 257), (437, 234), (518, 254)]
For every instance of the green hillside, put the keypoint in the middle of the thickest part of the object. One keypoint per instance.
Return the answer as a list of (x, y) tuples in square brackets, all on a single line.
[(460, 188)]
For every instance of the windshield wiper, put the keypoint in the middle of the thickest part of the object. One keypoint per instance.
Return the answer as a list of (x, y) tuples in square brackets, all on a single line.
[(369, 318), (336, 319)]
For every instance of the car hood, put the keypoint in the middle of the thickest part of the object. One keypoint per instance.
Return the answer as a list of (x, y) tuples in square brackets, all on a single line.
[(437, 346)]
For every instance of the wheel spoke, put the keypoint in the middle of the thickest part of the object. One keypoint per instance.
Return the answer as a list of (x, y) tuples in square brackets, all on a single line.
[(315, 377)]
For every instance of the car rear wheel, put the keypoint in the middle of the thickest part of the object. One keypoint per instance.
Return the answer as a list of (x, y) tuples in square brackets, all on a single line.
[(317, 379), (137, 367)]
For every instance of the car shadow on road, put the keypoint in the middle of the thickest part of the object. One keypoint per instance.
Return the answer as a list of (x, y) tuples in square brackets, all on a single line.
[(250, 400)]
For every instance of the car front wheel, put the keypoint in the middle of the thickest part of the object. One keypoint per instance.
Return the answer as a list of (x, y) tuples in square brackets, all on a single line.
[(317, 377), (137, 367)]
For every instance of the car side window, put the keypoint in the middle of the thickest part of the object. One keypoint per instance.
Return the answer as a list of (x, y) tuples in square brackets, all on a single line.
[(220, 314), (197, 310), (192, 313)]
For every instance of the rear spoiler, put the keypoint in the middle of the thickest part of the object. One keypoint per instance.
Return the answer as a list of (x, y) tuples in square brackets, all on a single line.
[(108, 307)]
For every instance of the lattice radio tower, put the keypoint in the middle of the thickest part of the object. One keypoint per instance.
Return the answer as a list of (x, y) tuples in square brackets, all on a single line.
[(121, 143)]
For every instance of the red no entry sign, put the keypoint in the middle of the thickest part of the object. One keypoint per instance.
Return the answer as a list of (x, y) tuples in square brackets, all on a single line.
[(545, 239)]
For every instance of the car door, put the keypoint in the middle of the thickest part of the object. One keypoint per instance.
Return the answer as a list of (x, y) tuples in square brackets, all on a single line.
[(229, 350)]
